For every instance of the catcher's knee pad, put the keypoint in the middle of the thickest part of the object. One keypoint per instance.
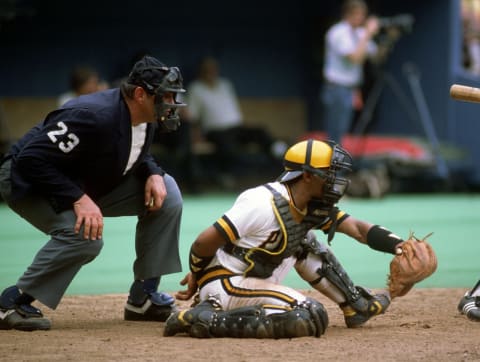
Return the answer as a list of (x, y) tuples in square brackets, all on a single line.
[(307, 319)]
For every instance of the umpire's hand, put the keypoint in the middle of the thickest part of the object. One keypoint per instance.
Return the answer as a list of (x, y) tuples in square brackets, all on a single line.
[(88, 214), (155, 192)]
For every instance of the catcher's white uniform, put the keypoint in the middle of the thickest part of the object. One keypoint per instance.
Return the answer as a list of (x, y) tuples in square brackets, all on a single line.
[(252, 224), (265, 236)]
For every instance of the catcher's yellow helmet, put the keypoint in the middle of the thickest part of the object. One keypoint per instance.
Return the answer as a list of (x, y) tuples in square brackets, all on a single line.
[(324, 158), (310, 155)]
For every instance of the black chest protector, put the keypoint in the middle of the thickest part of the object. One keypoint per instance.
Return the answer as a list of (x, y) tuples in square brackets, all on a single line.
[(261, 261)]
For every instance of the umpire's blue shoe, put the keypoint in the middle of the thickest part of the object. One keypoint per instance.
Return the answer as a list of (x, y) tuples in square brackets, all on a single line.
[(157, 307), (14, 314)]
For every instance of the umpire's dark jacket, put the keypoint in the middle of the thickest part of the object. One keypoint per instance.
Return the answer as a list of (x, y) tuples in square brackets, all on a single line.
[(80, 148)]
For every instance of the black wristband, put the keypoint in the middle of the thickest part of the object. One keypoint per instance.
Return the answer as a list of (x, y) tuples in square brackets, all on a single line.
[(381, 239), (198, 263)]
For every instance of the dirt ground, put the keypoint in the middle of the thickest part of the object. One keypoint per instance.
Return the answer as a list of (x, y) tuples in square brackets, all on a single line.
[(424, 325)]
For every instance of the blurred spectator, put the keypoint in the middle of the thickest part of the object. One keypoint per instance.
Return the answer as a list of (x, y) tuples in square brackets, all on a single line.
[(348, 45), (83, 80), (471, 36), (212, 105)]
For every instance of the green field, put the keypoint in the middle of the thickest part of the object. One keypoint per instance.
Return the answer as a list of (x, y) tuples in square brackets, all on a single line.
[(453, 219)]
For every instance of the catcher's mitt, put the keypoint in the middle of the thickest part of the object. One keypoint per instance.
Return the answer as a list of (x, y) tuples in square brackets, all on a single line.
[(415, 262)]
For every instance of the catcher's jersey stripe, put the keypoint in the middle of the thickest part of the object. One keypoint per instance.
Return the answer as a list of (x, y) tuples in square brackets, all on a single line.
[(255, 293), (212, 274), (340, 217), (225, 226)]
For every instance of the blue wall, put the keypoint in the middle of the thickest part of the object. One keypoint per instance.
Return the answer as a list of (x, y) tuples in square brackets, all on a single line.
[(427, 48), (259, 48), (268, 48), (436, 48)]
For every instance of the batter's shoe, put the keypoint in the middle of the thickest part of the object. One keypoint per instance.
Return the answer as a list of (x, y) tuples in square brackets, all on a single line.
[(378, 304), (157, 307), (470, 306), (21, 316)]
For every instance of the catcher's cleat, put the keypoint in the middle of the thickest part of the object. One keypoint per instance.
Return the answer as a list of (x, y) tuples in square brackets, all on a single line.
[(157, 308), (377, 305), (177, 323), (195, 321), (14, 314), (470, 306)]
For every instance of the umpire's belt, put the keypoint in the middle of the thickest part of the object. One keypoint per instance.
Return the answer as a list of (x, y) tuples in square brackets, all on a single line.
[(214, 273)]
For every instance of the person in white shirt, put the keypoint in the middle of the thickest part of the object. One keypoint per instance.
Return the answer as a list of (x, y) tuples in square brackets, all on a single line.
[(348, 44), (214, 107)]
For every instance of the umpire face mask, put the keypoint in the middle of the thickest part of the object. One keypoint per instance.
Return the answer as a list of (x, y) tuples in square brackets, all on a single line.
[(167, 112)]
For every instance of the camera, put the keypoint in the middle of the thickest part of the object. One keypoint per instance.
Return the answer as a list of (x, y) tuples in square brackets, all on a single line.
[(402, 22)]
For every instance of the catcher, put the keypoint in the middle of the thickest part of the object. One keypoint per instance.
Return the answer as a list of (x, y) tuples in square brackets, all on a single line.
[(239, 262)]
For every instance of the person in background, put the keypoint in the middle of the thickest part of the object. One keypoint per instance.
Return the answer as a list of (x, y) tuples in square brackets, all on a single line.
[(348, 45), (83, 80), (214, 106), (88, 160)]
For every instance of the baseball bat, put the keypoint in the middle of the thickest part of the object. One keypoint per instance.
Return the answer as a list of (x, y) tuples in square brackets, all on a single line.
[(465, 93)]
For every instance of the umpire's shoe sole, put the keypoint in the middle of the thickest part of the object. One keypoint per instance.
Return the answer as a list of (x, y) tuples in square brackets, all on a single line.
[(470, 306), (148, 312), (11, 319)]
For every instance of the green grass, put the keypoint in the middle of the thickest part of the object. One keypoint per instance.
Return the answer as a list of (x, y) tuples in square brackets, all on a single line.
[(453, 219)]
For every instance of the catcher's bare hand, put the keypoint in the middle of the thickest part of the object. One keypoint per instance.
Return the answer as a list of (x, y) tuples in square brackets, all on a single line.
[(191, 283)]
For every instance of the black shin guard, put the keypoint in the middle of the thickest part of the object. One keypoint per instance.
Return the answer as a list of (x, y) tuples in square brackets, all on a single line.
[(204, 321), (333, 271)]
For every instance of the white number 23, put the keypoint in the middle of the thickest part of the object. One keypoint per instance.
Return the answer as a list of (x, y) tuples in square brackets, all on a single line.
[(67, 146)]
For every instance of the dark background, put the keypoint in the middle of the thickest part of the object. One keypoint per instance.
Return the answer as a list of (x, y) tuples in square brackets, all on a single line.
[(269, 49)]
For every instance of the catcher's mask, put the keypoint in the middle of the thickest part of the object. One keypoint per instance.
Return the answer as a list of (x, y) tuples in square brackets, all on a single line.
[(158, 79), (323, 158)]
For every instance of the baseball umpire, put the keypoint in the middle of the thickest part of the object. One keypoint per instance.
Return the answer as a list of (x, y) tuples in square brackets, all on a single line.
[(238, 263), (87, 160)]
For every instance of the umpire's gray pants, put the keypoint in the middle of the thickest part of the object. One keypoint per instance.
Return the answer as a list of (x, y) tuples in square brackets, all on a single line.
[(59, 260)]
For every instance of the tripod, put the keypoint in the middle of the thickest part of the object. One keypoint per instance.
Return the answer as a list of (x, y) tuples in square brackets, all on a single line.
[(423, 115)]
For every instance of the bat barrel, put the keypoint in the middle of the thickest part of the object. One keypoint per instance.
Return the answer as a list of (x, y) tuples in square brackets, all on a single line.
[(465, 93)]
